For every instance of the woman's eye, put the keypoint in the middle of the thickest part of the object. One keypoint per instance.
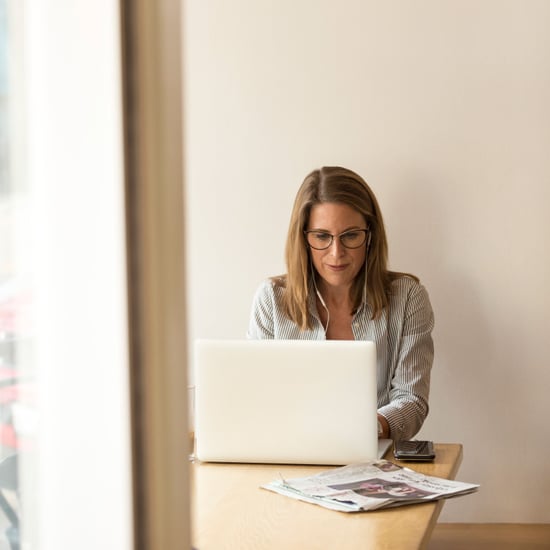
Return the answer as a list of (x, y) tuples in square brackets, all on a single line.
[(351, 235), (322, 237)]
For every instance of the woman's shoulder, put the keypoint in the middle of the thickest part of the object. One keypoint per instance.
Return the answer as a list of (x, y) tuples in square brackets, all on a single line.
[(409, 300), (279, 281), (404, 285), (271, 286)]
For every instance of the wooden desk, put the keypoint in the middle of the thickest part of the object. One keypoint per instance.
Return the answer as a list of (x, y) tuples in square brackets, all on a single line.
[(229, 510)]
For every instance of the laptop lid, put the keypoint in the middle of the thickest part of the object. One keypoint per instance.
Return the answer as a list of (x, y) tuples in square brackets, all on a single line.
[(285, 401)]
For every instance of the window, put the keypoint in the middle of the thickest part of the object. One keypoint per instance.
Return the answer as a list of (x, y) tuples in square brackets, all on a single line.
[(77, 214)]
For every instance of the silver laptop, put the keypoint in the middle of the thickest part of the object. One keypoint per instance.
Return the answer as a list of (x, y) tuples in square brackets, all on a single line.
[(286, 401)]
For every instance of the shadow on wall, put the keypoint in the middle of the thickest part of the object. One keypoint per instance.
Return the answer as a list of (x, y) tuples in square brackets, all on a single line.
[(425, 219), (490, 354)]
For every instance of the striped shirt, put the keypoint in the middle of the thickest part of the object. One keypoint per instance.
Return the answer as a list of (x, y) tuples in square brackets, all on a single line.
[(404, 345)]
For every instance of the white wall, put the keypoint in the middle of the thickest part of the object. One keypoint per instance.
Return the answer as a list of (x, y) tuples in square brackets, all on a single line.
[(443, 108)]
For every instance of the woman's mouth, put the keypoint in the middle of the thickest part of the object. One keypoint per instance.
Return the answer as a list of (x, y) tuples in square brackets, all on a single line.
[(341, 267)]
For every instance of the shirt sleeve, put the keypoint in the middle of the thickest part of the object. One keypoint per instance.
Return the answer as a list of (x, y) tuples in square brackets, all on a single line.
[(261, 323), (410, 384)]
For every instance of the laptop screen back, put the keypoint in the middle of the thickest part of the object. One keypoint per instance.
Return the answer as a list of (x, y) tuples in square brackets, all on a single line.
[(285, 401)]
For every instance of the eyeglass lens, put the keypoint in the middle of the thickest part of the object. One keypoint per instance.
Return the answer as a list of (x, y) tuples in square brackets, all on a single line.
[(350, 239)]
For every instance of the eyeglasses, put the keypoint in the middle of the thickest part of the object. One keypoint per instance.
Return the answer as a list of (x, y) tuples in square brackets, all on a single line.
[(321, 240)]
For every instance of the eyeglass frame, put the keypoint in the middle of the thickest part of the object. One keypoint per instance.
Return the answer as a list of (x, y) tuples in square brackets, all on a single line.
[(332, 237)]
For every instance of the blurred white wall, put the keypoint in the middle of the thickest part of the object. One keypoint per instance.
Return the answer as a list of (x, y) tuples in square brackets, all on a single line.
[(443, 108), (75, 164)]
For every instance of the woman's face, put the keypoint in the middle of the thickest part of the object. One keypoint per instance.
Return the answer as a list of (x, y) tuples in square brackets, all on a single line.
[(337, 265)]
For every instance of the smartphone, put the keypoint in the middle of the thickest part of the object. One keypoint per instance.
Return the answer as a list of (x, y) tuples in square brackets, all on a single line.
[(419, 451)]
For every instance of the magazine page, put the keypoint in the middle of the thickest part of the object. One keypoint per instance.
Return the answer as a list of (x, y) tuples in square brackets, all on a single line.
[(369, 486)]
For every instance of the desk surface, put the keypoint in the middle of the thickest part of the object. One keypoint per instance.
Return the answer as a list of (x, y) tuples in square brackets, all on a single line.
[(229, 510)]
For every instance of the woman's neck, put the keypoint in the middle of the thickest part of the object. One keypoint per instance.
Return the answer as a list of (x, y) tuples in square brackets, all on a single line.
[(335, 313), (335, 298)]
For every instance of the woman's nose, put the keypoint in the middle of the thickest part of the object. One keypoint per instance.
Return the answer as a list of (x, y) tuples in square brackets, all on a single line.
[(336, 247)]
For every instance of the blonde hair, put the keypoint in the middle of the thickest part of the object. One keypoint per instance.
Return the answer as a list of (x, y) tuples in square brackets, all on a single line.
[(333, 184)]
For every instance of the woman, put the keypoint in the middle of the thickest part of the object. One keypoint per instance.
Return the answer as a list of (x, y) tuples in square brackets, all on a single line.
[(338, 286)]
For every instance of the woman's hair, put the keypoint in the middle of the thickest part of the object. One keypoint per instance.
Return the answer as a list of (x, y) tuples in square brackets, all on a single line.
[(332, 184)]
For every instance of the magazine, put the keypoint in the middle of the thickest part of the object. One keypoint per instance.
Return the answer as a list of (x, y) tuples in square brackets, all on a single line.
[(369, 486)]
